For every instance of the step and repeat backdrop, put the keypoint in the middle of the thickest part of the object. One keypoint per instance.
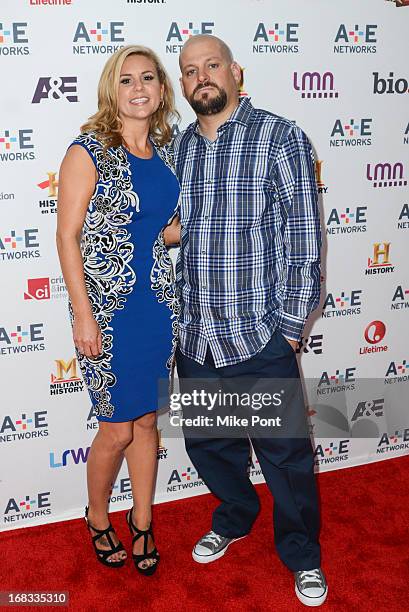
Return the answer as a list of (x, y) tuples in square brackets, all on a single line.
[(340, 71)]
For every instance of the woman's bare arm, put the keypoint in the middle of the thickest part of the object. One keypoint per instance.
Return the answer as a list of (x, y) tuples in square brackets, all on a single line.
[(77, 180)]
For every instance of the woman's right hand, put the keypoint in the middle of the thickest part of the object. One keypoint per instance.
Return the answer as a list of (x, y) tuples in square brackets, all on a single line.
[(87, 335), (171, 233)]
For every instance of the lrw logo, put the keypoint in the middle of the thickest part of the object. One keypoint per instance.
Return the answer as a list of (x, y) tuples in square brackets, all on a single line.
[(385, 174), (315, 85), (56, 88), (75, 455)]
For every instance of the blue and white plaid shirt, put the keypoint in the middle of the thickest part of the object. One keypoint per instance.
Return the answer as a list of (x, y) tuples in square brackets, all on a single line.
[(250, 245)]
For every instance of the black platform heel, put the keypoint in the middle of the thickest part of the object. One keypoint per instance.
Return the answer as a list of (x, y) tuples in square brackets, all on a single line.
[(102, 555), (139, 533)]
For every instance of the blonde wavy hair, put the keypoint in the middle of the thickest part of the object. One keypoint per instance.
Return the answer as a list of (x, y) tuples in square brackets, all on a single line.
[(106, 124)]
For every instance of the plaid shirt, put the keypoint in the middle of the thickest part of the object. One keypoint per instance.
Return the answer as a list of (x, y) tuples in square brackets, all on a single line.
[(250, 245)]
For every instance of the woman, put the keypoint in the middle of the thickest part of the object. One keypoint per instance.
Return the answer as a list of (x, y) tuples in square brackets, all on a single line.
[(116, 191)]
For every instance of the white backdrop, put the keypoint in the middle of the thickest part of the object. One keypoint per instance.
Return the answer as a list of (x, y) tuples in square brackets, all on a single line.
[(339, 69)]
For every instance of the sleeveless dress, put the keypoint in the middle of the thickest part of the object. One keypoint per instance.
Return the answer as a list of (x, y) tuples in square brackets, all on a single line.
[(129, 279)]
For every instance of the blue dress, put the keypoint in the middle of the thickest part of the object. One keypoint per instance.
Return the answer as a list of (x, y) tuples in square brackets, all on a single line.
[(129, 279)]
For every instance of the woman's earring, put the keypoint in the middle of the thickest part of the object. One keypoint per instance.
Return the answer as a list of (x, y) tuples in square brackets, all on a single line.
[(162, 103)]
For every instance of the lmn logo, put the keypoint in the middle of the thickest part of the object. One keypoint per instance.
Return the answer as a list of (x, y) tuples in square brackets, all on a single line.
[(385, 174), (315, 85)]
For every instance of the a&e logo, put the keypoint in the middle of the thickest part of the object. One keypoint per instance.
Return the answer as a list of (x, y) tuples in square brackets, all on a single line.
[(276, 38), (13, 38), (99, 38), (356, 39), (178, 34), (56, 88)]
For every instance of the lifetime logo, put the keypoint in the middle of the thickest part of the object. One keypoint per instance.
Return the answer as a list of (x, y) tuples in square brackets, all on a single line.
[(56, 88), (386, 175), (373, 334), (314, 85), (12, 37)]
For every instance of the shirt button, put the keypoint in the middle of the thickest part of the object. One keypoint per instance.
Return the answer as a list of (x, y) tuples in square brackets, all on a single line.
[(203, 252), (209, 182), (206, 217), (204, 287)]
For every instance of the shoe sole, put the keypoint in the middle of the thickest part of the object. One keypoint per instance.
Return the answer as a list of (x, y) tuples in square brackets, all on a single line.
[(311, 602), (211, 558)]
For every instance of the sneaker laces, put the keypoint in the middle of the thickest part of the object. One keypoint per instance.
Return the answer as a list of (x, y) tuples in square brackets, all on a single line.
[(212, 537), (312, 576)]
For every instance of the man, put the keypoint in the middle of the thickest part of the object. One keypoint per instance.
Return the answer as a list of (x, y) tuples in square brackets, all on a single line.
[(248, 278)]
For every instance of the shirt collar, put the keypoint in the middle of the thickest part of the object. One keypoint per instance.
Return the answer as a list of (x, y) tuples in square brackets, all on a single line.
[(241, 115)]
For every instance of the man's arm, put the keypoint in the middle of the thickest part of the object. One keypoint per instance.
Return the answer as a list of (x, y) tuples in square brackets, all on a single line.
[(294, 176)]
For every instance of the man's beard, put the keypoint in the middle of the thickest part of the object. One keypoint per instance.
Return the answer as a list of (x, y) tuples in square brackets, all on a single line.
[(206, 105)]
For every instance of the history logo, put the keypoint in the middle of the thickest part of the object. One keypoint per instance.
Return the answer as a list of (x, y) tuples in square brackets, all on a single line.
[(98, 38), (162, 450), (16, 145), (344, 304), (321, 186), (25, 427), (56, 88), (27, 338), (277, 38), (13, 38), (179, 33), (314, 85), (347, 221), (355, 39), (24, 507), (353, 133), (65, 379), (380, 262), (50, 189)]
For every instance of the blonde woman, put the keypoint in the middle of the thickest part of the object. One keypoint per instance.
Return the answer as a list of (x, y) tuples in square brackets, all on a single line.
[(117, 190)]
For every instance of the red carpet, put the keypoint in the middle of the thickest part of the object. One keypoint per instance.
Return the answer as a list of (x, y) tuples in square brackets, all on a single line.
[(365, 541)]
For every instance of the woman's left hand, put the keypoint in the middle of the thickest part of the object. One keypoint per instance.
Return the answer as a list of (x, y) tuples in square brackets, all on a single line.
[(171, 233)]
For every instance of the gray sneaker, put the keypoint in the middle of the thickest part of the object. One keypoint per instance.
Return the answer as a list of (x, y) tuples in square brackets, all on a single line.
[(211, 547), (311, 587)]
